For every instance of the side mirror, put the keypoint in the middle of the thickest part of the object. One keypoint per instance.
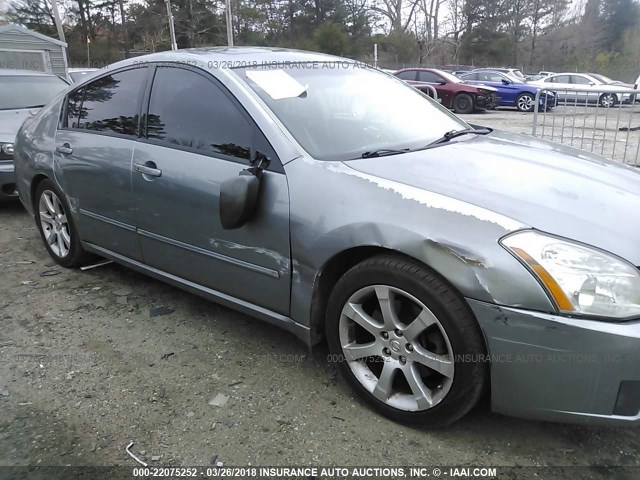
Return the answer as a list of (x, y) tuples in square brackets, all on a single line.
[(239, 198), (506, 82)]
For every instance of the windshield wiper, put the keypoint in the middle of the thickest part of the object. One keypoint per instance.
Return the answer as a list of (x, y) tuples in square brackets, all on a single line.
[(32, 106), (384, 151), (458, 133)]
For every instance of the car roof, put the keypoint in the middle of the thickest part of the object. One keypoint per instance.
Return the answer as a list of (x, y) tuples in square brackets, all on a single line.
[(22, 73), (232, 57)]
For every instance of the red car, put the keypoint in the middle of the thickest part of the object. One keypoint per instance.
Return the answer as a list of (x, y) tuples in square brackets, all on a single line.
[(452, 92)]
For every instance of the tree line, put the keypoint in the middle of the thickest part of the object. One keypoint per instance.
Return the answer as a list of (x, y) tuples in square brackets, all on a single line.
[(601, 35)]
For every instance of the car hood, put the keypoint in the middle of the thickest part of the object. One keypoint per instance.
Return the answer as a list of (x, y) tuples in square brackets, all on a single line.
[(540, 184), (12, 120)]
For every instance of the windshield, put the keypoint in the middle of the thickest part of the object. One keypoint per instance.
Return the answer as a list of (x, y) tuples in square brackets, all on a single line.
[(339, 114), (28, 91), (601, 78), (518, 74)]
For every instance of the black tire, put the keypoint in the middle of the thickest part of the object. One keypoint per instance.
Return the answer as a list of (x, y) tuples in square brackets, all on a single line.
[(463, 103), (464, 334), (523, 105), (608, 100), (76, 256)]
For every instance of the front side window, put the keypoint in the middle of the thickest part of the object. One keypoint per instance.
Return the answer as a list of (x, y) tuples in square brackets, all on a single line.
[(559, 79), (111, 102), (188, 110), (28, 91), (579, 80), (406, 75), (426, 76), (339, 114)]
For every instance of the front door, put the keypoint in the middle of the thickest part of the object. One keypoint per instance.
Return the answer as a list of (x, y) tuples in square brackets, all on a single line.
[(197, 136)]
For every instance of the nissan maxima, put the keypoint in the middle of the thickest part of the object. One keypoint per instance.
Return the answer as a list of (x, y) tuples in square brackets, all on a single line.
[(439, 260)]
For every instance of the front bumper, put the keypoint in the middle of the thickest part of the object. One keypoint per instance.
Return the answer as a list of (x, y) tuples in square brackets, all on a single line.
[(487, 101), (554, 368), (7, 180)]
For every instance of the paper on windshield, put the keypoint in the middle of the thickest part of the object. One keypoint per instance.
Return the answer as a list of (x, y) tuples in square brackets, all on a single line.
[(277, 83)]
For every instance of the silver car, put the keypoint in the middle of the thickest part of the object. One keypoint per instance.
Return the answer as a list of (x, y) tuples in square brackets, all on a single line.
[(439, 260), (582, 88)]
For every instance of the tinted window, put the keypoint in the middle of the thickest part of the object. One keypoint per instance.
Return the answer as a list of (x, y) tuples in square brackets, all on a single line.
[(189, 110), (429, 77), (28, 91), (111, 103), (74, 103), (407, 75)]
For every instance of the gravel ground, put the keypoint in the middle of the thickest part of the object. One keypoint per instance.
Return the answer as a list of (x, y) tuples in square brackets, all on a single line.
[(92, 360)]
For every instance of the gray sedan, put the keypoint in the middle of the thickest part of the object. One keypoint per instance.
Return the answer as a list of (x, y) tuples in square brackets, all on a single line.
[(439, 260)]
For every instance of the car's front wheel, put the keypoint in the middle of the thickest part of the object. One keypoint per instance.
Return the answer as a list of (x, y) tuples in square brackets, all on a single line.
[(463, 103), (608, 100), (406, 342), (56, 226), (525, 102)]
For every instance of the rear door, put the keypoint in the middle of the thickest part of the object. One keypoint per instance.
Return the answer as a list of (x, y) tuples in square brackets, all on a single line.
[(564, 87), (197, 136), (94, 150)]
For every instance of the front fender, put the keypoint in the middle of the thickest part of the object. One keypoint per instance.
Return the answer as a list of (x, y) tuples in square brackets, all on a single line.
[(335, 208)]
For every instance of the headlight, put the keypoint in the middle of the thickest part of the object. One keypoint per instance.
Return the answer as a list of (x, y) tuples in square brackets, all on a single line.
[(580, 279), (7, 148)]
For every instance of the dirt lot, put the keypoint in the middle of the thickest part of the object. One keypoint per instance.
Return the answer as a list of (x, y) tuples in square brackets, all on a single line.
[(90, 361)]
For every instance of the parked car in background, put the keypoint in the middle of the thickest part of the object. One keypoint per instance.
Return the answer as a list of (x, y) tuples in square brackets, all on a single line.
[(545, 73), (513, 92), (452, 92), (340, 203), (581, 88), (22, 94), (78, 74), (514, 72)]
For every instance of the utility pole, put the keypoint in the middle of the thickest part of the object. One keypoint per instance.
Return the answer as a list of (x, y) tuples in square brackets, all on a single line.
[(229, 23), (56, 17), (172, 31)]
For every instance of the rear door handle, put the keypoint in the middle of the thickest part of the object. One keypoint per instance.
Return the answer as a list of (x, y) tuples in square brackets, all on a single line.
[(64, 149), (148, 168)]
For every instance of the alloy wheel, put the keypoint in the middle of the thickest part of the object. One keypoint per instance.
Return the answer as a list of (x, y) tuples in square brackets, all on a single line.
[(396, 348), (525, 103), (54, 223), (608, 101)]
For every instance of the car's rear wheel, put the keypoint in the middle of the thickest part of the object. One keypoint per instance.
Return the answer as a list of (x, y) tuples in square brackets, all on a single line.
[(56, 226), (608, 100), (525, 102), (406, 342), (463, 103)]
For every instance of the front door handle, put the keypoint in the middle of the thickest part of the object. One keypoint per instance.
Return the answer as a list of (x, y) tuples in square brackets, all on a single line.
[(148, 168), (64, 149)]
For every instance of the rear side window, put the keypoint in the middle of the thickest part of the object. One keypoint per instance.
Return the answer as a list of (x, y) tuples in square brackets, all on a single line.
[(188, 110), (111, 103), (74, 105)]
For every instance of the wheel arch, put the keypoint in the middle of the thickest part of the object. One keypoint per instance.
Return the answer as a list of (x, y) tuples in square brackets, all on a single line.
[(35, 182), (341, 262)]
